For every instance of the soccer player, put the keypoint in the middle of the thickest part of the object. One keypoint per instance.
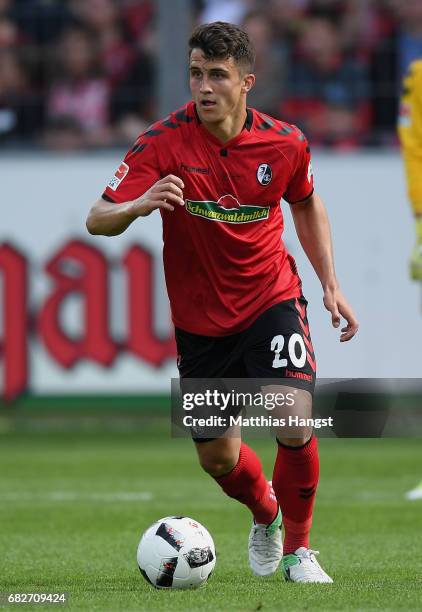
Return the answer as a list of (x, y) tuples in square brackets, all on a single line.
[(410, 133), (217, 170)]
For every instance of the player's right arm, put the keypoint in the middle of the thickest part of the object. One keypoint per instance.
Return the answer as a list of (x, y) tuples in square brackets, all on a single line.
[(110, 219)]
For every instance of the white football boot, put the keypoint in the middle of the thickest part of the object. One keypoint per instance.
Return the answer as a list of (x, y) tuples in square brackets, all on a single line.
[(265, 546), (415, 493), (302, 566)]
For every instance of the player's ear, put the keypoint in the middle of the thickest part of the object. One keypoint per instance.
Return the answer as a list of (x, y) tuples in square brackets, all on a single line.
[(248, 82)]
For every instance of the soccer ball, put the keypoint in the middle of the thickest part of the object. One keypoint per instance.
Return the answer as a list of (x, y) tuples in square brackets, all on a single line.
[(176, 552)]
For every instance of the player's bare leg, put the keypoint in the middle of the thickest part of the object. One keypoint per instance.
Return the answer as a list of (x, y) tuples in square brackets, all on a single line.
[(237, 469), (218, 457), (295, 481)]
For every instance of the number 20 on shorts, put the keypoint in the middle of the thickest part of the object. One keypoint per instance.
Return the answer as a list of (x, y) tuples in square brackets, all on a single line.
[(277, 345)]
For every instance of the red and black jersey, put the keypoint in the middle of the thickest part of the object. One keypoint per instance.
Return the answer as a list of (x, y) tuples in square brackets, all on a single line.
[(224, 260)]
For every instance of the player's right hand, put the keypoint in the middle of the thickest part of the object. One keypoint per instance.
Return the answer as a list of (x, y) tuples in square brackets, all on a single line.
[(165, 194), (415, 264)]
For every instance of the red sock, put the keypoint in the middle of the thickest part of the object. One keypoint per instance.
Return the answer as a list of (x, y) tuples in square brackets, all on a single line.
[(247, 483), (295, 480)]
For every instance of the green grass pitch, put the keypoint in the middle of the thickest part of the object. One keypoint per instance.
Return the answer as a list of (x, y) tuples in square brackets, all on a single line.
[(74, 505)]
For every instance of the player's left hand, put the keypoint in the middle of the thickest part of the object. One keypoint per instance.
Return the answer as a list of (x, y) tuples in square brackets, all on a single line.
[(415, 264), (337, 305)]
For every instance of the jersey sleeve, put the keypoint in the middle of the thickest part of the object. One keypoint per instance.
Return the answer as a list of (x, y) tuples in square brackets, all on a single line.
[(410, 133), (139, 170), (301, 184)]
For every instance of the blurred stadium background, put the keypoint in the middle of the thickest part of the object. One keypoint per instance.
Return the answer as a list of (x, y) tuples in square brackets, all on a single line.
[(86, 341), (91, 75)]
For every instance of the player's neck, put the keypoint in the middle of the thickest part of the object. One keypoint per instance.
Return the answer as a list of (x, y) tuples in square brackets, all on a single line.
[(229, 128)]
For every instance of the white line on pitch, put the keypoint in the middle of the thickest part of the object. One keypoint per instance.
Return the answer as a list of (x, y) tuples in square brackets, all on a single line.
[(125, 496)]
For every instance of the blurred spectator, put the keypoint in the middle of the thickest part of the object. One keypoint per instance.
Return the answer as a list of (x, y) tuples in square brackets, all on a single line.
[(137, 16), (409, 43), (352, 18), (127, 66), (287, 20), (334, 10), (104, 19), (41, 21), (313, 57), (287, 17), (133, 101), (232, 11), (20, 110), (267, 93), (390, 63), (9, 34), (327, 91), (80, 94)]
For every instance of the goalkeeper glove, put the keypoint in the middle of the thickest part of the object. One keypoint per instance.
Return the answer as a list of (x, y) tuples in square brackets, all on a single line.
[(416, 255)]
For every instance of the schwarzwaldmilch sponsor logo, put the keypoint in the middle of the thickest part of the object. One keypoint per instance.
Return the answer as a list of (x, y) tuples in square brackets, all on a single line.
[(227, 210), (228, 202)]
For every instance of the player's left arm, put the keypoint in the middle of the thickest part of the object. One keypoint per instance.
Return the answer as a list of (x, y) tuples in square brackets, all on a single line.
[(313, 230)]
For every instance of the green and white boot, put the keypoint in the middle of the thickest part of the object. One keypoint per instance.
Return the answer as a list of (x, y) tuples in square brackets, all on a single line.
[(302, 566), (265, 547)]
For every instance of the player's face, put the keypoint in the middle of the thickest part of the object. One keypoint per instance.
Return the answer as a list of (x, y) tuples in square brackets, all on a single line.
[(218, 87)]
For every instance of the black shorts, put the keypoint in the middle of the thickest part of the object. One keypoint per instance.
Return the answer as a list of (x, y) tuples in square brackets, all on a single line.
[(276, 346)]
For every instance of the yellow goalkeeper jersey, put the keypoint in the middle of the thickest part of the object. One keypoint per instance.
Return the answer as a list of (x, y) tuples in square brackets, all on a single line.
[(410, 133)]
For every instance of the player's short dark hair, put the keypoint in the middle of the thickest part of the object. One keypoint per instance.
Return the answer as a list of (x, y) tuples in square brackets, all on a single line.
[(221, 40)]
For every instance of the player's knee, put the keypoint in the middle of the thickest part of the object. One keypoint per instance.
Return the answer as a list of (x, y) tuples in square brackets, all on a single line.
[(218, 465)]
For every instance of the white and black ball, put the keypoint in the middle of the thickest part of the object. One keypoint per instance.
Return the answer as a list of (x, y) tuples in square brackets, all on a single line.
[(176, 552)]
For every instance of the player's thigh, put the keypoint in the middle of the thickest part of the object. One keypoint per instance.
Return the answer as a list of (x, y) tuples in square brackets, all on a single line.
[(204, 356), (204, 364), (219, 456)]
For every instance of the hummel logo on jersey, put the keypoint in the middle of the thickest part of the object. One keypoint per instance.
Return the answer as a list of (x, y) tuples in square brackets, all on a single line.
[(227, 210), (119, 175), (195, 169), (264, 174)]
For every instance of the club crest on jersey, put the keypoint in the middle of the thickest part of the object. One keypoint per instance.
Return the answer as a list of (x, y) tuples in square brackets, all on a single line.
[(119, 175), (264, 174)]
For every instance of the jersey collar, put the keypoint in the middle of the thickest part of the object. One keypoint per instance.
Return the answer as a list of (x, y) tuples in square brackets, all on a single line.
[(247, 128)]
